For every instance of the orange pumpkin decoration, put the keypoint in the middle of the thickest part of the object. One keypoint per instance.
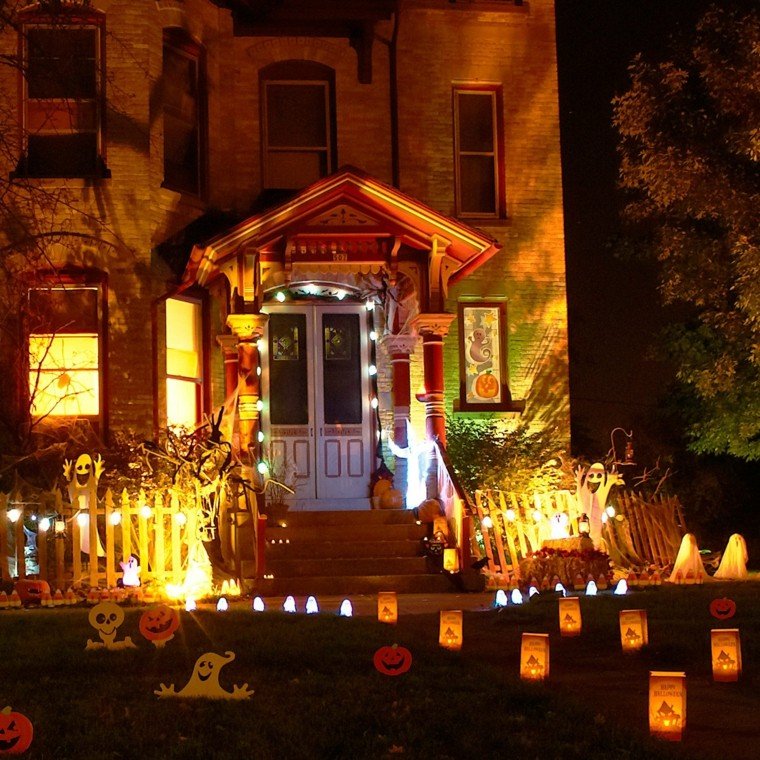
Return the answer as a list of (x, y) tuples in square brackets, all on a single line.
[(16, 732), (392, 498), (429, 510), (159, 623), (31, 591), (723, 609), (393, 660), (486, 385)]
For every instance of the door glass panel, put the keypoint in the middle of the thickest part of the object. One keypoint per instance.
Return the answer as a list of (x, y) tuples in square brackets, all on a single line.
[(288, 378), (341, 369)]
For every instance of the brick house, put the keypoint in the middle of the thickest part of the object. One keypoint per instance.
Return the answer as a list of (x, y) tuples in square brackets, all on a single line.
[(338, 216)]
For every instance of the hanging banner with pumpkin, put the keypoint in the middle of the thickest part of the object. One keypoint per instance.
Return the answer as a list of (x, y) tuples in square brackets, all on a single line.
[(481, 346), (387, 607), (393, 660), (667, 705), (570, 620), (534, 656), (450, 631), (159, 624), (634, 630), (726, 654), (16, 732)]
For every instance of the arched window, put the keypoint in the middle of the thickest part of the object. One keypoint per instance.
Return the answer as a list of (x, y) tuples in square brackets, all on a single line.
[(184, 113), (297, 123)]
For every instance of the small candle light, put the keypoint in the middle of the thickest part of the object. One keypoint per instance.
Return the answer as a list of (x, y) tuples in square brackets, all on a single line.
[(450, 629), (387, 607), (570, 620), (534, 656), (634, 630)]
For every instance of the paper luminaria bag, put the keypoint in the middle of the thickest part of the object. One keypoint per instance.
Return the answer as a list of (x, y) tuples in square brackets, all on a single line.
[(667, 705), (450, 632), (387, 607), (726, 654), (570, 620), (634, 630), (451, 560), (534, 657)]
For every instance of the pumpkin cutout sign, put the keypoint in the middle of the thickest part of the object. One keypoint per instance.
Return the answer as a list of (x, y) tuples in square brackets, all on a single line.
[(723, 609), (159, 624), (393, 660), (16, 732)]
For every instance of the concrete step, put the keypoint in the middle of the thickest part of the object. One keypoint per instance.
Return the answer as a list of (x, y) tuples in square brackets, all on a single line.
[(350, 518), (342, 549), (296, 567), (433, 583), (337, 533)]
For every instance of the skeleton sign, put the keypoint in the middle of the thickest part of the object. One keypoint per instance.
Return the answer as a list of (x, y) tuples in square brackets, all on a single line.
[(83, 477), (593, 488)]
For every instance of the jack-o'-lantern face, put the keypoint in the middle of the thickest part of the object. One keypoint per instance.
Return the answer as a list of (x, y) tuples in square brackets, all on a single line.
[(30, 591), (159, 623), (595, 476), (83, 469), (393, 660), (16, 732), (486, 385), (723, 609), (106, 617)]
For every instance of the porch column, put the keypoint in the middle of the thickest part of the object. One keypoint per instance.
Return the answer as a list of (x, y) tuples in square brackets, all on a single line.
[(248, 329), (433, 328), (229, 345), (399, 348)]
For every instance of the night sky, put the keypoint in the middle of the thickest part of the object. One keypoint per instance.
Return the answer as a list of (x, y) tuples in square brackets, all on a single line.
[(613, 305)]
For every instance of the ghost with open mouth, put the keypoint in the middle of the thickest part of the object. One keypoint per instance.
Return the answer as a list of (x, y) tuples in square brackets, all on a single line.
[(204, 682)]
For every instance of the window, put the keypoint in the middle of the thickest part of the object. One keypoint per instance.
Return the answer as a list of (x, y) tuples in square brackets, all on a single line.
[(62, 86), (183, 113), (184, 376), (483, 382), (477, 129), (298, 129), (64, 351)]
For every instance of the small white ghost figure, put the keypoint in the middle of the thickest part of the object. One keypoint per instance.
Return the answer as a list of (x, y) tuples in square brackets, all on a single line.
[(622, 588), (501, 598), (258, 604), (591, 589), (346, 610), (289, 605), (222, 605), (516, 596), (561, 589), (558, 526), (312, 607), (733, 563), (131, 572)]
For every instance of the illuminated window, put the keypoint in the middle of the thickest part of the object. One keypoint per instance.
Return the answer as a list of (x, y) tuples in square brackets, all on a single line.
[(64, 351), (183, 362), (298, 130), (477, 126), (183, 113), (62, 95)]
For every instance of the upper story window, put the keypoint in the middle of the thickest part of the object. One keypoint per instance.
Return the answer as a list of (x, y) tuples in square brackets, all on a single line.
[(184, 375), (64, 328), (184, 106), (298, 124), (477, 151), (62, 86)]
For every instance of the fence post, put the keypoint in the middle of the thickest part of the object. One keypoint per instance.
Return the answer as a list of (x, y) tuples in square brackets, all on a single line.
[(126, 527), (159, 567), (5, 573), (142, 534), (42, 554), (176, 541), (20, 538), (110, 544), (60, 543), (92, 527)]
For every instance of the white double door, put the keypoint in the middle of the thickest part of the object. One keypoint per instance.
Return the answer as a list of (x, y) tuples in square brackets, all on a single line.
[(317, 415)]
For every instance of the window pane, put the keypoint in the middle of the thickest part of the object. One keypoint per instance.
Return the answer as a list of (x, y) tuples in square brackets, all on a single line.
[(73, 155), (477, 188), (65, 393), (292, 170), (62, 309), (341, 369), (56, 352), (62, 63), (288, 370), (296, 116), (476, 122), (183, 338), (181, 402)]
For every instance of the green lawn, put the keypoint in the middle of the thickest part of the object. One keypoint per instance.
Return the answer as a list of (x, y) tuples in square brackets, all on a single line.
[(317, 694)]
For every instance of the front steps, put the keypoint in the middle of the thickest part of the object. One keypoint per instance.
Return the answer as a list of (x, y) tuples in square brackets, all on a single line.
[(356, 552)]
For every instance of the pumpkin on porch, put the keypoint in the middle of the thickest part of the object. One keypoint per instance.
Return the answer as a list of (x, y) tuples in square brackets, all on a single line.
[(429, 510), (391, 498)]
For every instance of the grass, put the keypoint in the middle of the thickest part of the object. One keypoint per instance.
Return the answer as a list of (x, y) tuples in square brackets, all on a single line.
[(317, 694)]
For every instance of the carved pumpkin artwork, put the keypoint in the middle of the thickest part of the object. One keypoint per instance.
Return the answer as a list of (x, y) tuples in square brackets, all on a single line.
[(31, 591), (392, 498), (393, 660), (486, 385), (723, 609), (159, 624), (16, 732)]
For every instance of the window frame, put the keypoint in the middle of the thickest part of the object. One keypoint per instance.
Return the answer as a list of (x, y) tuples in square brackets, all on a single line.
[(181, 42), (294, 73), (497, 127), (66, 279), (67, 17), (505, 404), (200, 381)]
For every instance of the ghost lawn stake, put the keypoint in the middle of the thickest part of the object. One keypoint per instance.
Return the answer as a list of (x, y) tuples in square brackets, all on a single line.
[(204, 682), (83, 476)]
